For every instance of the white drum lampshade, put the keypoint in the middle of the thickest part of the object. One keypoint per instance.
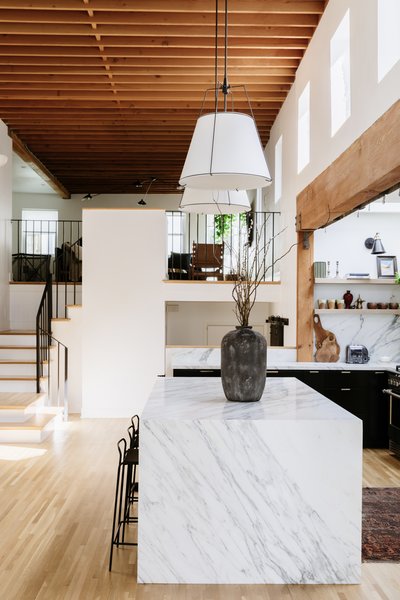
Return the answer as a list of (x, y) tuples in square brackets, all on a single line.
[(225, 153), (3, 160), (225, 202)]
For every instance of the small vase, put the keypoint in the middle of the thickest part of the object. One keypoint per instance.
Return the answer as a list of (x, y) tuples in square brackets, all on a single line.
[(348, 299), (243, 364)]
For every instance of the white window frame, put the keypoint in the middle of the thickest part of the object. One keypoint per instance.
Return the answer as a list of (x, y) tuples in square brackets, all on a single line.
[(303, 128), (39, 228), (388, 20), (278, 170), (340, 74)]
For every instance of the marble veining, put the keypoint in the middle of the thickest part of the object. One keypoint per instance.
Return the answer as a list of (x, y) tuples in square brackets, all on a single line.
[(379, 333), (267, 492)]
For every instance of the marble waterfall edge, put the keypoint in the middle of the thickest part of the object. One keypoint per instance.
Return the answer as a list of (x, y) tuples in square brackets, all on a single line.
[(262, 493)]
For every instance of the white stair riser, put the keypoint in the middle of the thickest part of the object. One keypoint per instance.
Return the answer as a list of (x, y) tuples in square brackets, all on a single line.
[(15, 416), (30, 435), (13, 385), (19, 369), (9, 415), (17, 340), (17, 353)]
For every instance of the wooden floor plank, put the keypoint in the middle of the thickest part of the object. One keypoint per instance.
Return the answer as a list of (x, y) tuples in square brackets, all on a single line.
[(55, 523)]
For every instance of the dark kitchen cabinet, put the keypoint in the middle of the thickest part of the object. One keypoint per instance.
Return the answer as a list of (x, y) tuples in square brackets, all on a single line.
[(197, 372)]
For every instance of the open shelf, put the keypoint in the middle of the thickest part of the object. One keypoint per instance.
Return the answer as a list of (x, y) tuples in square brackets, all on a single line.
[(337, 281), (359, 311)]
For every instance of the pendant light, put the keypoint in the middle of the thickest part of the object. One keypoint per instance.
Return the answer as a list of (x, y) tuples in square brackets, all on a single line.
[(224, 202), (143, 202), (225, 152), (377, 247)]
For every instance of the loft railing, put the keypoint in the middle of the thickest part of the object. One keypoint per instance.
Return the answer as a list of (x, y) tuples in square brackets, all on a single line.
[(42, 246), (259, 230)]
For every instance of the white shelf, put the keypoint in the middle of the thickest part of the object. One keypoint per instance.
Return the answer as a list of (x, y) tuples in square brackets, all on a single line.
[(358, 311), (333, 280)]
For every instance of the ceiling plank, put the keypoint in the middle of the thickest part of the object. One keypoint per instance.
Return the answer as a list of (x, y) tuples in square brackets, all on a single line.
[(202, 6)]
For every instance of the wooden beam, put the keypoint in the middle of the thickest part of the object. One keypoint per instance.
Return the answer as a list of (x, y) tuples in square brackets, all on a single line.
[(159, 18), (368, 167), (185, 6), (35, 164), (305, 297)]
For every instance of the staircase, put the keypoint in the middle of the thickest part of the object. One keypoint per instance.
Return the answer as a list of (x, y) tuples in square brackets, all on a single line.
[(24, 416)]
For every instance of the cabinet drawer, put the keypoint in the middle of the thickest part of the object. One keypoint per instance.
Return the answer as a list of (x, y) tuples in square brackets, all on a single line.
[(346, 378), (197, 372)]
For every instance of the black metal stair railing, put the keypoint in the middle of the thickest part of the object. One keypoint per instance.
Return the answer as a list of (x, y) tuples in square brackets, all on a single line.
[(44, 342)]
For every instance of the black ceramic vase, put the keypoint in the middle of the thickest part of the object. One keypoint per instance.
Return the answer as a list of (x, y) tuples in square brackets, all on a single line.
[(243, 364)]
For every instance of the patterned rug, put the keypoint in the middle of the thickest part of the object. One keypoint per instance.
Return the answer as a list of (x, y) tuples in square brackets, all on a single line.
[(381, 525)]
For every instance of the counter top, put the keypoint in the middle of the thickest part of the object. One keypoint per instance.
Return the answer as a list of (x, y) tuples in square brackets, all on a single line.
[(198, 398), (317, 366)]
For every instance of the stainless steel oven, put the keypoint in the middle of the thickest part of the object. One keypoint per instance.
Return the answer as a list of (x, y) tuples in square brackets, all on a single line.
[(393, 392)]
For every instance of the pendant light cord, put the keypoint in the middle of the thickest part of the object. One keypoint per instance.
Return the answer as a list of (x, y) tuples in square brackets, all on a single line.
[(225, 85), (216, 56)]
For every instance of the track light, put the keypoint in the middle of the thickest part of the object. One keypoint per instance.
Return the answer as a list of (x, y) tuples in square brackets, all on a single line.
[(143, 202)]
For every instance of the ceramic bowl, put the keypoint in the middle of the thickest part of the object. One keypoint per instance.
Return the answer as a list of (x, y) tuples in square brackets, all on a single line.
[(371, 304), (382, 305), (393, 305)]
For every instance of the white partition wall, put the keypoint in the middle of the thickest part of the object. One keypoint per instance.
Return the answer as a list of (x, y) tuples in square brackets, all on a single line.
[(123, 330), (5, 216)]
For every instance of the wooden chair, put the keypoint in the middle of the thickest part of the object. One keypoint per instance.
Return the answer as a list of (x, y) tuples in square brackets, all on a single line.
[(207, 261)]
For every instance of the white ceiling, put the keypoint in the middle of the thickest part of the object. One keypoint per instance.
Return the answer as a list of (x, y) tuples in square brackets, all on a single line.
[(26, 180)]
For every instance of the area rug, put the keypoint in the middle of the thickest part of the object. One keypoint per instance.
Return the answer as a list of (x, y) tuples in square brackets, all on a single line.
[(381, 525)]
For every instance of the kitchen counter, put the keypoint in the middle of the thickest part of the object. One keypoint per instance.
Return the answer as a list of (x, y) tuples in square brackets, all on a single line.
[(264, 492)]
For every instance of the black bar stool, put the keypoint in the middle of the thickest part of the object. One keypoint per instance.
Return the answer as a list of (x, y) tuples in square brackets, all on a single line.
[(126, 489)]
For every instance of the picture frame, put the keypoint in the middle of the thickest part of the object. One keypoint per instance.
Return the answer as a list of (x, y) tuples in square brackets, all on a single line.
[(386, 267)]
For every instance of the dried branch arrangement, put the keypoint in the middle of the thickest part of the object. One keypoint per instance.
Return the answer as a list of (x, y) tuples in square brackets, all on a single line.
[(251, 269)]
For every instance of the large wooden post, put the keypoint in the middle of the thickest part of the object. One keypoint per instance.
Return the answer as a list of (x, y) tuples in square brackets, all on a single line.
[(305, 296)]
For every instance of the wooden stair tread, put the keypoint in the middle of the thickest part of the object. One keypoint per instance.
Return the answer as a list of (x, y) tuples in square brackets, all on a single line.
[(17, 332), (36, 422), (10, 361), (18, 400), (17, 347), (19, 377)]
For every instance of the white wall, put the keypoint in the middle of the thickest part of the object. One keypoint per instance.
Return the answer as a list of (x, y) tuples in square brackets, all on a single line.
[(5, 233), (344, 241), (369, 100), (123, 330), (69, 333), (201, 323), (72, 209)]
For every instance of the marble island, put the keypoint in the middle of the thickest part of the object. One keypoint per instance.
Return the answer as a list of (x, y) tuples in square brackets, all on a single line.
[(265, 492)]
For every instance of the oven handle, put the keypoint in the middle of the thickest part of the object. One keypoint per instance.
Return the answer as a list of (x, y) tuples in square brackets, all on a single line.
[(391, 393)]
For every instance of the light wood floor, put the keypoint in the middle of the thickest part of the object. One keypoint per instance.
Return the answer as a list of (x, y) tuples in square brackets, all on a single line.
[(55, 524)]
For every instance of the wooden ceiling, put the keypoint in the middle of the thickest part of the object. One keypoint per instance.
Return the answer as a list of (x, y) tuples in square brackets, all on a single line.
[(106, 93)]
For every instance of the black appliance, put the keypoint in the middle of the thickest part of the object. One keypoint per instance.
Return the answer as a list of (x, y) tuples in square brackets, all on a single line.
[(276, 331), (357, 355), (394, 412)]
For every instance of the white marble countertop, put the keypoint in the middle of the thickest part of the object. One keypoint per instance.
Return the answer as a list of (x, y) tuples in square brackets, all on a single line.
[(202, 398), (317, 366), (338, 366)]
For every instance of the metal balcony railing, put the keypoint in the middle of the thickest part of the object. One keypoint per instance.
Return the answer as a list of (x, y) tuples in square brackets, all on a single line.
[(256, 231)]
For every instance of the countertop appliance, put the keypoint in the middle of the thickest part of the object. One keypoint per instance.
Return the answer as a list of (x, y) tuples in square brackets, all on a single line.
[(394, 412), (357, 355)]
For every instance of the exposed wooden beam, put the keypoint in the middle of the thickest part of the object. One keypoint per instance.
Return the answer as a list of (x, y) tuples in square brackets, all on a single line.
[(159, 18), (27, 156), (185, 6), (305, 297), (368, 167)]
